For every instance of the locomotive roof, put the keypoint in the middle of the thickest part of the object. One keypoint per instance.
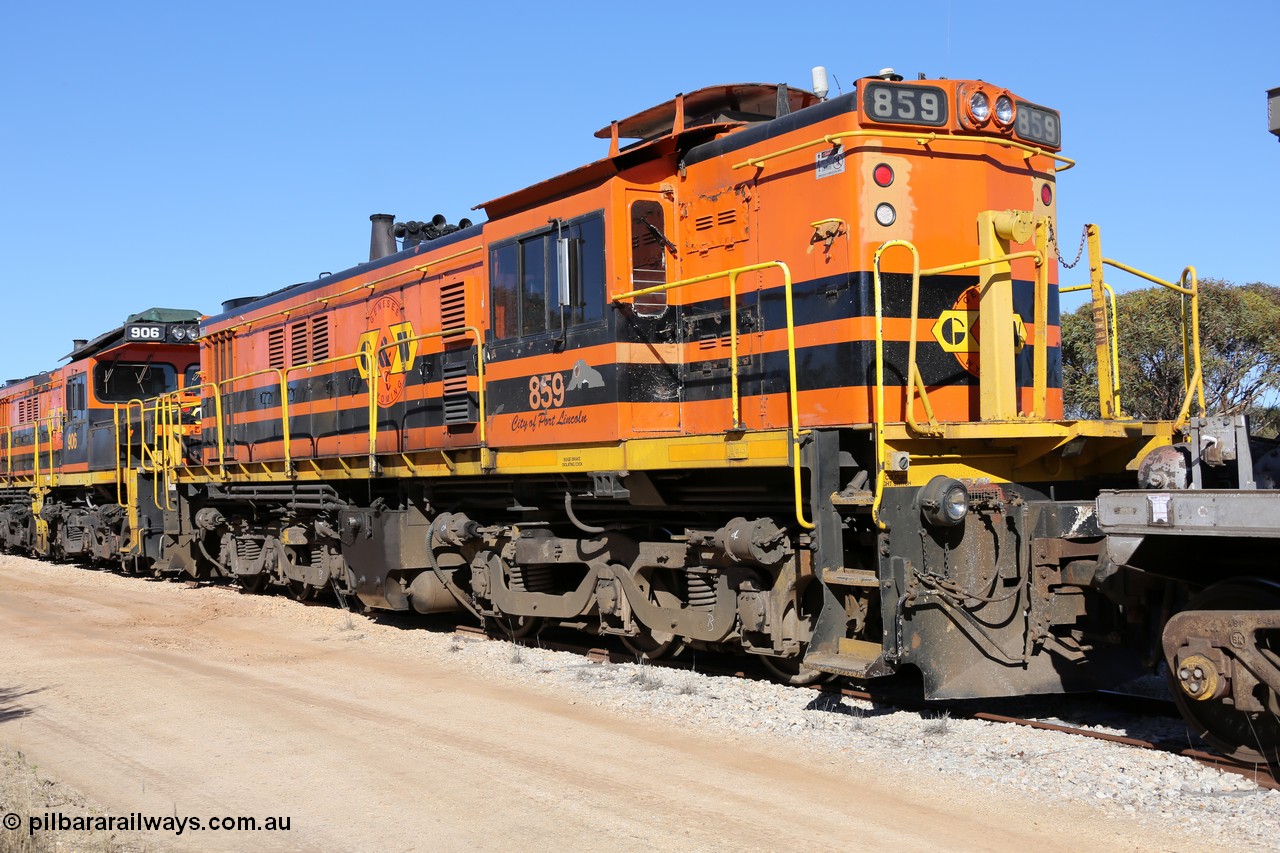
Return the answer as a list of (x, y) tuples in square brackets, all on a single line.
[(152, 315), (256, 303), (736, 102), (697, 117)]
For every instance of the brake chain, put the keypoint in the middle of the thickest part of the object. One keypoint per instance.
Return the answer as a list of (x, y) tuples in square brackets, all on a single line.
[(1053, 241)]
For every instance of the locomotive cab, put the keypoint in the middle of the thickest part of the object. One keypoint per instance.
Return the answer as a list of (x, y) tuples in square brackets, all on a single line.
[(112, 417)]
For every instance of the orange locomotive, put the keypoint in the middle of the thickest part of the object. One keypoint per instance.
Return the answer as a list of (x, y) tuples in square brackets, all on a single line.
[(72, 439), (664, 396), (779, 374)]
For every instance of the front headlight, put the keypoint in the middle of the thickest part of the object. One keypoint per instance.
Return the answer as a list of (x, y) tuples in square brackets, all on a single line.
[(979, 107), (1004, 111), (944, 501), (179, 333)]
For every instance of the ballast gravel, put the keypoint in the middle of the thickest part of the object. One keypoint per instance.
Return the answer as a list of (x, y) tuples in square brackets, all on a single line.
[(1157, 789), (1168, 793)]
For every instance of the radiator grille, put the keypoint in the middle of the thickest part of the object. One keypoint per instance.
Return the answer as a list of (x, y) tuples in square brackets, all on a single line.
[(319, 338), (298, 343), (275, 348)]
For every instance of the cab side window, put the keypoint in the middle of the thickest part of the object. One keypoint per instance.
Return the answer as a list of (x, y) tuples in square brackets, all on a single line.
[(648, 254), (77, 403), (524, 276)]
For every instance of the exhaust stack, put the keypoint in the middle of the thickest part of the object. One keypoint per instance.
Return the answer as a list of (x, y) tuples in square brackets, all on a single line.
[(381, 241)]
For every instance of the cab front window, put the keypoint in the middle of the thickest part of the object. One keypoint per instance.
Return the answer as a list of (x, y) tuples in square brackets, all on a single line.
[(122, 381)]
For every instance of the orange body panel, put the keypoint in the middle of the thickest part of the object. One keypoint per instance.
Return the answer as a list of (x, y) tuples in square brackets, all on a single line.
[(634, 371)]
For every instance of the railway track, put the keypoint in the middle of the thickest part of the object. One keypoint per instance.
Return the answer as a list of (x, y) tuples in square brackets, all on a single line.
[(1262, 775)]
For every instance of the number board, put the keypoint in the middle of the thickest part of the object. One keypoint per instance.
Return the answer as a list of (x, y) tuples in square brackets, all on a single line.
[(1038, 124), (151, 332), (896, 104)]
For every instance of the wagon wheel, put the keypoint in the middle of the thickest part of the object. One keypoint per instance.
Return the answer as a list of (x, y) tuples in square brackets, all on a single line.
[(653, 645), (512, 627), (789, 671), (301, 590), (797, 625), (252, 583), (1250, 737), (649, 643)]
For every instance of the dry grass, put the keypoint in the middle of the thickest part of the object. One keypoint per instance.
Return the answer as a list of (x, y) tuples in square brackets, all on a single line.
[(646, 679), (23, 792), (939, 725)]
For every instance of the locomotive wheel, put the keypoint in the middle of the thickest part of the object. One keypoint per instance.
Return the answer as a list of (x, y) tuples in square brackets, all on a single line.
[(252, 583), (789, 671), (512, 627), (1252, 738), (300, 591), (653, 645)]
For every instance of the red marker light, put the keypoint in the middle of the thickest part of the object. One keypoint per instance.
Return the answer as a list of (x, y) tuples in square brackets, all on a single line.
[(882, 174), (1046, 194)]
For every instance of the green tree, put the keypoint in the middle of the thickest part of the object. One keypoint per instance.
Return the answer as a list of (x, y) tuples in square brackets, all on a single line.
[(1239, 346)]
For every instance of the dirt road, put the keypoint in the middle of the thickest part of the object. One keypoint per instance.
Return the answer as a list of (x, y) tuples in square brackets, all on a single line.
[(159, 699)]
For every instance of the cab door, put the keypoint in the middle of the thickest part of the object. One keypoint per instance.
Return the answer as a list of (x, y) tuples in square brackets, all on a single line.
[(75, 433), (649, 326)]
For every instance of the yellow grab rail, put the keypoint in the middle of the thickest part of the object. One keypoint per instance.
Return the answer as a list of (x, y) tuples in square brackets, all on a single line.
[(217, 413), (1114, 323), (793, 398), (35, 448), (115, 417), (168, 426), (370, 361), (925, 139), (374, 376), (880, 419), (8, 444), (914, 381), (284, 403), (1108, 350), (161, 430)]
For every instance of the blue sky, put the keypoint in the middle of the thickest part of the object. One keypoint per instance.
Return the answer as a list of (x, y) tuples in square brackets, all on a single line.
[(179, 154)]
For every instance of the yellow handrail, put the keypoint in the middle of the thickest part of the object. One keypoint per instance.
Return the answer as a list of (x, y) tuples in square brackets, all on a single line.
[(359, 355), (168, 423), (793, 397), (161, 424), (374, 376), (1192, 367), (925, 139), (48, 421), (877, 290), (914, 381), (284, 404), (115, 417), (144, 450), (217, 413), (1114, 322), (35, 453)]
